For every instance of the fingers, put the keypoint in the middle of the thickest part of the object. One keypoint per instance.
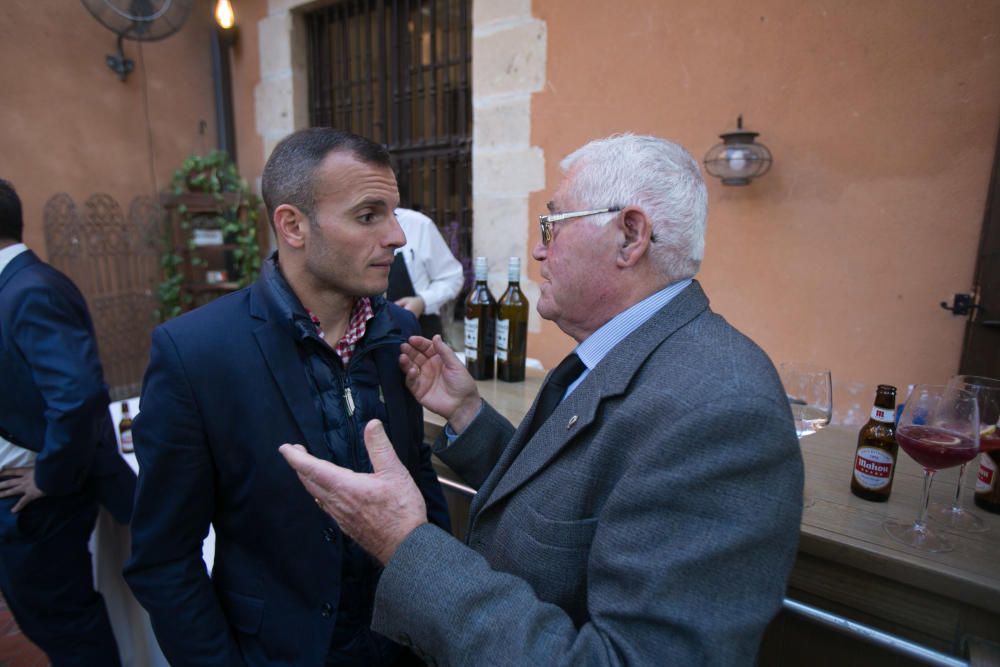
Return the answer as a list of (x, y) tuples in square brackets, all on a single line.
[(20, 504), (12, 487), (418, 346), (319, 477), (446, 353), (380, 451)]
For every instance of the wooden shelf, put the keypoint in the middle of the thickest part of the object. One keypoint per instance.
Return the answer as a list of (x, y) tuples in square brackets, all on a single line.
[(227, 286)]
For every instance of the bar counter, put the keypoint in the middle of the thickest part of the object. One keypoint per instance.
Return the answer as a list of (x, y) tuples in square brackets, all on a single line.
[(847, 564)]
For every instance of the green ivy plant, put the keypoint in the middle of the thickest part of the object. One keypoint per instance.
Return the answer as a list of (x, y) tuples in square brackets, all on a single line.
[(215, 174)]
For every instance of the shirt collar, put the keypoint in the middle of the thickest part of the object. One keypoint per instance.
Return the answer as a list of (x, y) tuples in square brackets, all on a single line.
[(8, 254), (307, 325), (597, 345)]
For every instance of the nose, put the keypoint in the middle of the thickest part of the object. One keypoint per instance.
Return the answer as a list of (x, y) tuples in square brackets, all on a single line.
[(539, 252), (395, 238)]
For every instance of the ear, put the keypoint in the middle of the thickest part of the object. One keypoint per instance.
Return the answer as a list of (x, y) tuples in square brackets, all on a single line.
[(634, 232), (291, 225)]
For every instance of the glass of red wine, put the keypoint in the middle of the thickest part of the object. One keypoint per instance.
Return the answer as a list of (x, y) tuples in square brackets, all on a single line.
[(987, 391), (939, 428)]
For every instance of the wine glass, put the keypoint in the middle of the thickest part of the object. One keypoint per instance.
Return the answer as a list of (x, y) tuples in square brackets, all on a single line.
[(810, 396), (939, 428), (987, 391)]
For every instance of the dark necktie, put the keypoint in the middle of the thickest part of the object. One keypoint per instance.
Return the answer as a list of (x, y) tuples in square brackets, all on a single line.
[(563, 376)]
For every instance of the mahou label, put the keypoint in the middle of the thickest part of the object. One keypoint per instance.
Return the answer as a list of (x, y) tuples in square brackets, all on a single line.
[(987, 474), (873, 467), (884, 415)]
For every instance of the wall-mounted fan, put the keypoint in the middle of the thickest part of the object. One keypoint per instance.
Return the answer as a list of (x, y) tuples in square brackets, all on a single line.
[(138, 20)]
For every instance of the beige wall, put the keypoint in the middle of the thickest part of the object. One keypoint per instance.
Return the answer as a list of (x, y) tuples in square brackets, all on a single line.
[(67, 124), (246, 73), (882, 117)]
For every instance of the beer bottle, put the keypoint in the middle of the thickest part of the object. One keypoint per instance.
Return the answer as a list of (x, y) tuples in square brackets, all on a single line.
[(987, 485), (512, 326), (480, 316), (875, 457), (125, 429)]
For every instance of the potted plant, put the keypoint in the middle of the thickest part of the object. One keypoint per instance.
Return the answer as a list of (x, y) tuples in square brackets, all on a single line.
[(211, 185)]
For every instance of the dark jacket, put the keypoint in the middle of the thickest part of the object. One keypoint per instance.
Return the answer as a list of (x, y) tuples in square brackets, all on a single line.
[(53, 399), (226, 386)]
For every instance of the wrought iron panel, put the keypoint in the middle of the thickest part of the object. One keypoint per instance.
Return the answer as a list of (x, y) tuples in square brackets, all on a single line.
[(114, 261)]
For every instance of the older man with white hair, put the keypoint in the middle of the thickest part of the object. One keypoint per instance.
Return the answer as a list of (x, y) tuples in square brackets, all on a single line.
[(646, 511)]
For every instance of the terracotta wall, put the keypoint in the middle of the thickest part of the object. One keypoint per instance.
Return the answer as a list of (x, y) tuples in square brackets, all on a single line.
[(882, 117), (67, 124)]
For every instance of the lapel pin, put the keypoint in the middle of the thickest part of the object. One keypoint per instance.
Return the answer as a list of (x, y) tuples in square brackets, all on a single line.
[(572, 420)]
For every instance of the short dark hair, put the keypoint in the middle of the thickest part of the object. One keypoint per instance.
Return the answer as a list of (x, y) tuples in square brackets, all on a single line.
[(288, 174), (11, 218)]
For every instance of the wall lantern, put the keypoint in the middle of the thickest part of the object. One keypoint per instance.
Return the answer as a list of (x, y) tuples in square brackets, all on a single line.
[(738, 160), (225, 18)]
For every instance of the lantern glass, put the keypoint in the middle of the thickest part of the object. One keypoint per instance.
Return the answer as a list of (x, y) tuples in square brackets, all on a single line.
[(738, 159)]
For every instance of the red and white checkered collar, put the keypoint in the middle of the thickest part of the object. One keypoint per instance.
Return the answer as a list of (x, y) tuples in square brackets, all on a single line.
[(360, 314)]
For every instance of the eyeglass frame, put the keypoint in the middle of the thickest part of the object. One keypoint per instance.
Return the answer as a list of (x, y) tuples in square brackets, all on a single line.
[(545, 222)]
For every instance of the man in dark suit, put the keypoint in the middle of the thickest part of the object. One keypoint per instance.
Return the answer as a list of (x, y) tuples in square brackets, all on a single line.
[(58, 454), (646, 511), (308, 353)]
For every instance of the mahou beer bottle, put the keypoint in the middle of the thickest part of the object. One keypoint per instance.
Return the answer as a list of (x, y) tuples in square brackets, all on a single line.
[(875, 457), (987, 484), (480, 316), (125, 429), (512, 326)]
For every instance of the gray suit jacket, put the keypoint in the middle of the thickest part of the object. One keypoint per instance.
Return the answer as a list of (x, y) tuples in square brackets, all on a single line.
[(652, 520)]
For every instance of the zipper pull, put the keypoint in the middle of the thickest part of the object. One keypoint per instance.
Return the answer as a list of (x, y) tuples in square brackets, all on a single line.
[(381, 396), (349, 399)]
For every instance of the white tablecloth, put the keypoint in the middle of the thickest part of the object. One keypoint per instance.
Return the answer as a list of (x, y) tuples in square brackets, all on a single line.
[(110, 546)]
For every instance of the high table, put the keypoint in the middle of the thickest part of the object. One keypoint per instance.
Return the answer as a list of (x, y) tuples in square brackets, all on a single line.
[(846, 563)]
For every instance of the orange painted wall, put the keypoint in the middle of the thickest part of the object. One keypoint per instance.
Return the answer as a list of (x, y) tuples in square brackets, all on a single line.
[(882, 118), (67, 124)]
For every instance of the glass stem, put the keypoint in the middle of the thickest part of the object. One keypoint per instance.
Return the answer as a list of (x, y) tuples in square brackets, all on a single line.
[(921, 523), (956, 505)]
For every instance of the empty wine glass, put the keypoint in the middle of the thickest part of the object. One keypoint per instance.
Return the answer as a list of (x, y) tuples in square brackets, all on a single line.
[(939, 428), (810, 395), (987, 392)]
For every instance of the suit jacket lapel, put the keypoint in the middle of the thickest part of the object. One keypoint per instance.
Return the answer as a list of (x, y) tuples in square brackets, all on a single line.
[(521, 461), (278, 350)]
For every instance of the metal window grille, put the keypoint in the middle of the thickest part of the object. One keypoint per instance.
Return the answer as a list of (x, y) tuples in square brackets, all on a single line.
[(398, 72)]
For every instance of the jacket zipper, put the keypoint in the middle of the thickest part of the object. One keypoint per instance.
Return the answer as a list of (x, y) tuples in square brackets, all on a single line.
[(349, 405)]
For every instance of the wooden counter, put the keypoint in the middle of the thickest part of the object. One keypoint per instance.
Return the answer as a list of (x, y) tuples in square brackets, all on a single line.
[(847, 564)]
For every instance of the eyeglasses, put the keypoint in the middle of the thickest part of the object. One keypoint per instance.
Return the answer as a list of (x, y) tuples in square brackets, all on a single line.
[(546, 221)]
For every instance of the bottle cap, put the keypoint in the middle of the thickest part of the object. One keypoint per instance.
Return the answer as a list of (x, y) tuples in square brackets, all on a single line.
[(514, 269), (481, 268)]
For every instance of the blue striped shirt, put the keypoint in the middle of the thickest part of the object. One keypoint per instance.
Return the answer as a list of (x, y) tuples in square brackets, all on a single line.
[(598, 344)]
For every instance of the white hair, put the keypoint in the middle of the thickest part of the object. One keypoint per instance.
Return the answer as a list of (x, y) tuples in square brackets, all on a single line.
[(658, 176)]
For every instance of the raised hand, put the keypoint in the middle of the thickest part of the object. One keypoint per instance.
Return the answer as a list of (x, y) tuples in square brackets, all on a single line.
[(376, 510), (438, 380)]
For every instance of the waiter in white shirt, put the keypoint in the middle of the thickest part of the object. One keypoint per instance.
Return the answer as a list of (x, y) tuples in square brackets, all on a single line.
[(425, 275)]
